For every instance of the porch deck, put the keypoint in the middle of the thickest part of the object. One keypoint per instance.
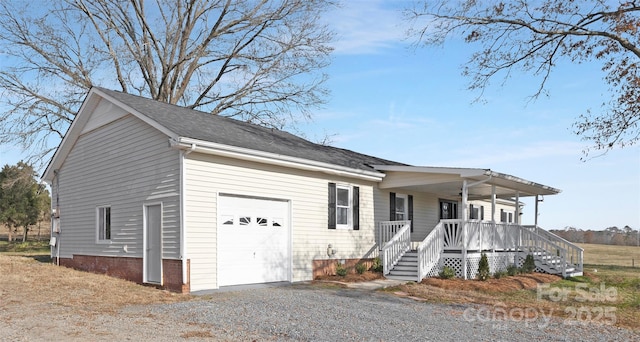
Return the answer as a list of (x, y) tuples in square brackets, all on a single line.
[(459, 244)]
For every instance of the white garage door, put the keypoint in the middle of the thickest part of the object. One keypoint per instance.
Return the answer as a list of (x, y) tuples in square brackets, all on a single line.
[(253, 241)]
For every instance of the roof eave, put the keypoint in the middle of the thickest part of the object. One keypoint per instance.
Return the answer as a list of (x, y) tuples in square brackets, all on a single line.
[(516, 183), (208, 147)]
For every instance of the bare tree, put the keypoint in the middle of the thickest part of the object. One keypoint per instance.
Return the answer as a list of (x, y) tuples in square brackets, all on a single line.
[(534, 36), (256, 60)]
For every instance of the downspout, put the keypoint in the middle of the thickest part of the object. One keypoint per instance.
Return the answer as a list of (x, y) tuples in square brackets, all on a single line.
[(56, 216), (183, 252)]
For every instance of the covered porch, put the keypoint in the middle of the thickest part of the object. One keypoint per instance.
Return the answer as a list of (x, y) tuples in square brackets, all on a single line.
[(460, 235)]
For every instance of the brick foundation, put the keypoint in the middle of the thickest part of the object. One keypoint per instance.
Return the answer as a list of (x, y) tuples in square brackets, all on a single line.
[(172, 276), (129, 269), (328, 266)]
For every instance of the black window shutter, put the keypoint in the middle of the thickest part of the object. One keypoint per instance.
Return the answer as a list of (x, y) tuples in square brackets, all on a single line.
[(332, 206), (356, 208), (410, 200), (392, 206)]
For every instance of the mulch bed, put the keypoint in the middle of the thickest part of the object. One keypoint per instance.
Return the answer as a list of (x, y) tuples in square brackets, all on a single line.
[(351, 277), (513, 283)]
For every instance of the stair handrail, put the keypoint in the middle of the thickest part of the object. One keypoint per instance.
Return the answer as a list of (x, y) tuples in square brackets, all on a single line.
[(541, 242), (575, 253), (430, 250), (395, 248), (387, 230)]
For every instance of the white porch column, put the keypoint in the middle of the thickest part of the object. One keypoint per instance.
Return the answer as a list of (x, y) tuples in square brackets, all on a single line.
[(493, 203), (493, 216), (535, 220), (517, 220), (465, 195)]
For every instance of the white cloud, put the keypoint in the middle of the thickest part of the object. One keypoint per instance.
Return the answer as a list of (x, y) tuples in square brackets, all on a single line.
[(366, 27), (490, 155)]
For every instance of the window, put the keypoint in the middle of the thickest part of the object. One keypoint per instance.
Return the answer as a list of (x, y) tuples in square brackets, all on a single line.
[(401, 208), (476, 213), (344, 207), (104, 223), (503, 216), (448, 210)]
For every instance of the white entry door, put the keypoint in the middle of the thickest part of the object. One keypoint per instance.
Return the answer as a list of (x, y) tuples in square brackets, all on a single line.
[(253, 241), (153, 244)]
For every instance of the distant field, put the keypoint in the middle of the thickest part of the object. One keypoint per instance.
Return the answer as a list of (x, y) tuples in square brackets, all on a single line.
[(611, 255)]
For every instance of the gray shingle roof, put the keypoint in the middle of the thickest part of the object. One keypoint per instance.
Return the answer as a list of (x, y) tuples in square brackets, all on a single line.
[(189, 123)]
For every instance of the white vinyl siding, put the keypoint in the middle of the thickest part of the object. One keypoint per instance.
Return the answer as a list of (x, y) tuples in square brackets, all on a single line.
[(425, 211), (124, 163), (207, 176)]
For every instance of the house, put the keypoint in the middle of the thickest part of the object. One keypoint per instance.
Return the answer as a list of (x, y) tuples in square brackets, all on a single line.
[(165, 195)]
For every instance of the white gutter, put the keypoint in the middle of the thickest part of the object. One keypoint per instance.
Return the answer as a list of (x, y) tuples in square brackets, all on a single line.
[(273, 159)]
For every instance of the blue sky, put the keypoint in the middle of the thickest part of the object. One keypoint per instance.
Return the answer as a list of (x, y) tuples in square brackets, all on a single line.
[(412, 106)]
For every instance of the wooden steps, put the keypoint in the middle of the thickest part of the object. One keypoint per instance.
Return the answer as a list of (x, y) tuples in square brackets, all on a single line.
[(406, 268)]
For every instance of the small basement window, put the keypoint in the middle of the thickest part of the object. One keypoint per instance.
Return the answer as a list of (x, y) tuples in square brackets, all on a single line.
[(103, 223)]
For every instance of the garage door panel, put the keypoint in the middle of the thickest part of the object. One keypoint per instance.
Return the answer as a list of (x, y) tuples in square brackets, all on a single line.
[(253, 241)]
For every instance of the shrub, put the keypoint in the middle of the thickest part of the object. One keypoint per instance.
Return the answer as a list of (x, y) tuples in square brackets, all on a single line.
[(529, 264), (341, 270), (447, 273), (513, 270), (500, 274), (483, 268), (360, 268), (377, 266)]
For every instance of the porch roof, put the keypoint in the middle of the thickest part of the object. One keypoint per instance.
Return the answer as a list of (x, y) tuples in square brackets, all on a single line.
[(447, 181)]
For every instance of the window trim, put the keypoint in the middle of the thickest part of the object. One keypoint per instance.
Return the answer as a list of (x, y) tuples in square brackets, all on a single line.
[(349, 207), (405, 213), (109, 226)]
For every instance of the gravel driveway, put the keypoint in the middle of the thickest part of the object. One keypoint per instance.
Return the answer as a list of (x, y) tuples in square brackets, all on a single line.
[(303, 312)]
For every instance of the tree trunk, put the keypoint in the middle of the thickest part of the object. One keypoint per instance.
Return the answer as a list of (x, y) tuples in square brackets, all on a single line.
[(24, 235)]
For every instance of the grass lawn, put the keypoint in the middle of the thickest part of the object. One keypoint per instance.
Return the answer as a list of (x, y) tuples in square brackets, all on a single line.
[(25, 248), (611, 255)]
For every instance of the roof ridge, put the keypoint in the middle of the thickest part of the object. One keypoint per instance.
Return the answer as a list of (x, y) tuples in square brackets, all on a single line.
[(230, 131)]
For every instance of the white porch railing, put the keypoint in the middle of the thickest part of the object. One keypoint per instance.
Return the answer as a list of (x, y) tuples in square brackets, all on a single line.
[(430, 250), (474, 235), (395, 248), (479, 235), (462, 236), (387, 229)]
